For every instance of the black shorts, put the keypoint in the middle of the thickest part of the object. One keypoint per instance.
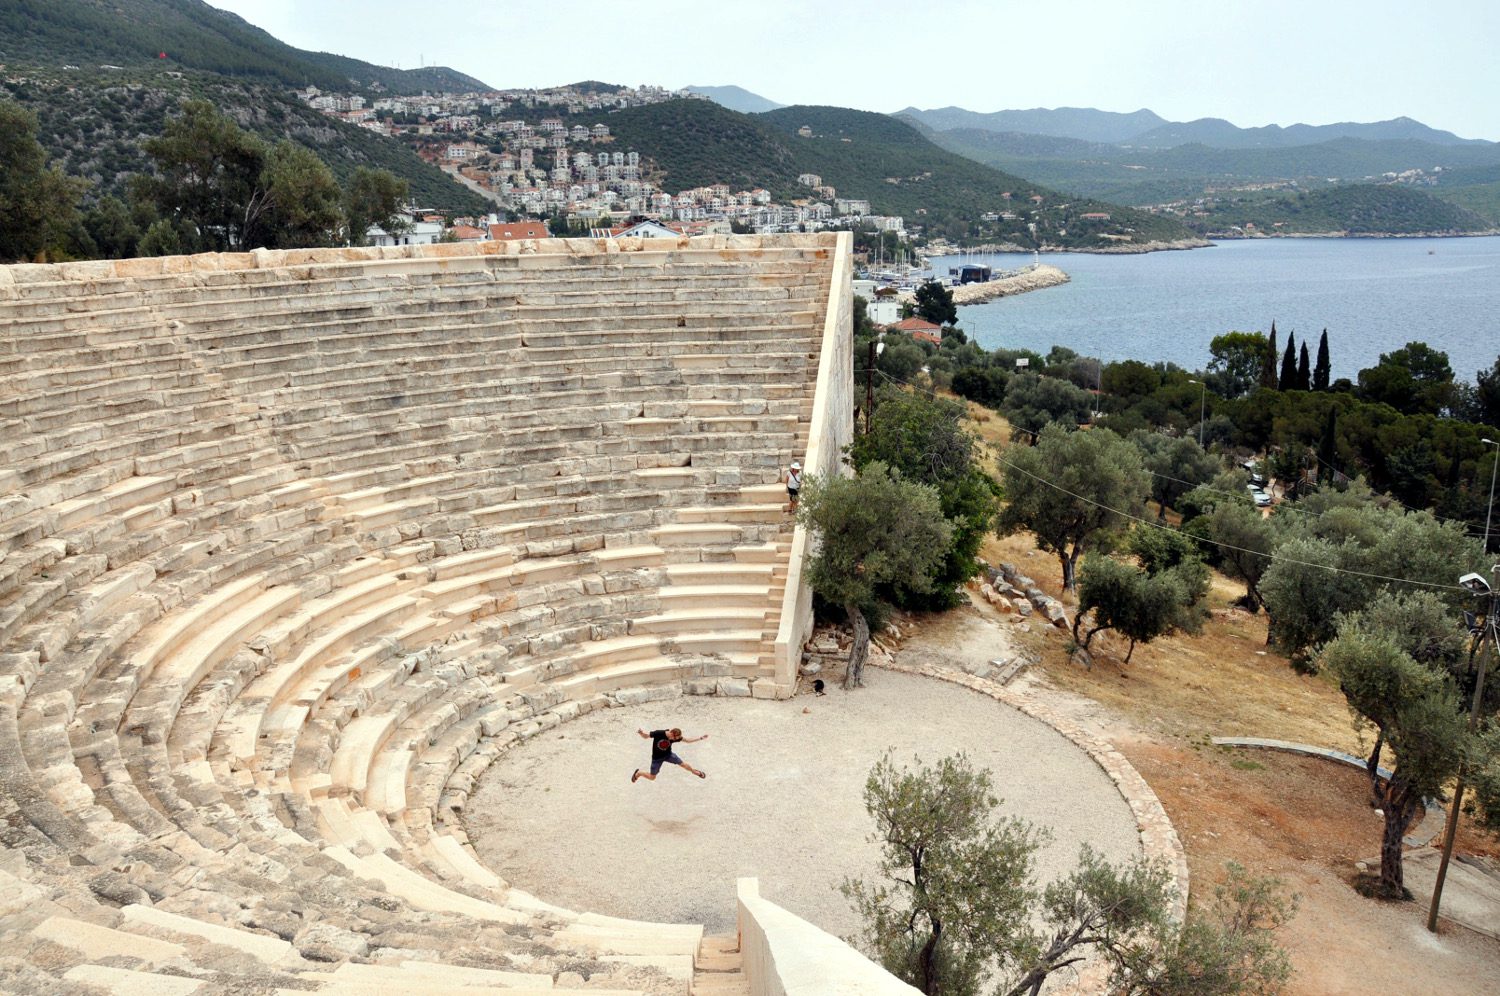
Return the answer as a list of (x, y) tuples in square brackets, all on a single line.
[(657, 762), (792, 493)]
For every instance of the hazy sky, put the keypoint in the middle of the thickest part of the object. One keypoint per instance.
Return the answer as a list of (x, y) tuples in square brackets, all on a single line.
[(1255, 63)]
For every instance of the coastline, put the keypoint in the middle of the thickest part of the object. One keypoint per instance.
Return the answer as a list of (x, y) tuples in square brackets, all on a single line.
[(1129, 249), (1242, 237)]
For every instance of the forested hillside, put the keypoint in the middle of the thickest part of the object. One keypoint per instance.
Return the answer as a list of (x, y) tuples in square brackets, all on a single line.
[(885, 159), (191, 35), (1358, 209), (875, 157), (93, 126)]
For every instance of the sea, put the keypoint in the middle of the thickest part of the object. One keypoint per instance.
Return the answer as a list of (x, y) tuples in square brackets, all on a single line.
[(1372, 295)]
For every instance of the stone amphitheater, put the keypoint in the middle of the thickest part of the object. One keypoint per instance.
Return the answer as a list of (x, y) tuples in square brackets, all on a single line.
[(294, 544)]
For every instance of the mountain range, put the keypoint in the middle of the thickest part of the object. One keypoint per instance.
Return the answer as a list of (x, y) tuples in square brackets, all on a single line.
[(1147, 130)]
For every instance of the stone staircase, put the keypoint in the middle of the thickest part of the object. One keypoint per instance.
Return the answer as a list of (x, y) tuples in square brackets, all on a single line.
[(292, 546), (718, 971)]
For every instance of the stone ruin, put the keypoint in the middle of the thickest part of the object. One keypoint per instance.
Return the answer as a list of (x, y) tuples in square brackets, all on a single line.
[(292, 544)]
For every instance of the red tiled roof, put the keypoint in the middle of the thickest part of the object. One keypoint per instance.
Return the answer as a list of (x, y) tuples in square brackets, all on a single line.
[(915, 324), (511, 230)]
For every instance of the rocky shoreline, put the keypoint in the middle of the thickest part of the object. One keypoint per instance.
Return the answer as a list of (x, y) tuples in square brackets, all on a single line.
[(1123, 249), (1242, 237), (1032, 279)]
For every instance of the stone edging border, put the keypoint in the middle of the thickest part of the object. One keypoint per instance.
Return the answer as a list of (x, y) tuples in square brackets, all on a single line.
[(1159, 840), (1432, 820)]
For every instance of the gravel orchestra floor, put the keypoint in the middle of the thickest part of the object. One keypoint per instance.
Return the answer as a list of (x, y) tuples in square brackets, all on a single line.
[(559, 817)]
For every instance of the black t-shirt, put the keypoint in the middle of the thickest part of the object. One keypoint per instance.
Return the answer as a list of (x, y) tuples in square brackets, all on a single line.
[(661, 746)]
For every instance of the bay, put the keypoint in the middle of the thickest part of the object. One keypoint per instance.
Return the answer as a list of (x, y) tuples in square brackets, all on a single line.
[(1373, 296)]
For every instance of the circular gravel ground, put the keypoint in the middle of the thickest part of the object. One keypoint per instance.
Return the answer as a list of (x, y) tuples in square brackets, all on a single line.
[(558, 817)]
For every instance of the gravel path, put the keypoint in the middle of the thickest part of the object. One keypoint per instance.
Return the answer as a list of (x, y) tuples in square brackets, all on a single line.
[(558, 816)]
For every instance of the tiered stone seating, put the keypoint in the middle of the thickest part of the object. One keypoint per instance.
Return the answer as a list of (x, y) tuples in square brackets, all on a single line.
[(293, 545)]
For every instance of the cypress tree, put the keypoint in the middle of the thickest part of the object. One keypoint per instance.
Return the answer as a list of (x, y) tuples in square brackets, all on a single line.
[(1328, 446), (1304, 376), (1288, 380), (1323, 368), (1268, 362)]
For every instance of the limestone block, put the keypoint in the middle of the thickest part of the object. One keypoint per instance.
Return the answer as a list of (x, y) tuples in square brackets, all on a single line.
[(1023, 609), (734, 688), (325, 941), (701, 686), (769, 690)]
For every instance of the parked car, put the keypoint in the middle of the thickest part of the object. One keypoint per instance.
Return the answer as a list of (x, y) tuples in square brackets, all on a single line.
[(1258, 496)]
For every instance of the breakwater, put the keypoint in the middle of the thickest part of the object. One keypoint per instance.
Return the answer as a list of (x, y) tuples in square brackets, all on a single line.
[(1033, 278)]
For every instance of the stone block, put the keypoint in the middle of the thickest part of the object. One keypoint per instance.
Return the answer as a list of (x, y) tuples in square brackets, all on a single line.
[(734, 688)]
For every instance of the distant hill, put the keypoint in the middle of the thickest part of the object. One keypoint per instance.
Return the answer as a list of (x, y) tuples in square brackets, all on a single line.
[(736, 98), (1136, 175), (1082, 123), (1219, 133), (1358, 209), (192, 35), (874, 157), (1146, 129), (92, 125)]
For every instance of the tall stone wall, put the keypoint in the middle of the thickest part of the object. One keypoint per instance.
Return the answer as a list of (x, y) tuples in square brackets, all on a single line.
[(832, 430)]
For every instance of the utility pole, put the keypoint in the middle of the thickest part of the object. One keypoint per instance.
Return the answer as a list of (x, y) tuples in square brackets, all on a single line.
[(876, 348), (1451, 829), (1202, 406)]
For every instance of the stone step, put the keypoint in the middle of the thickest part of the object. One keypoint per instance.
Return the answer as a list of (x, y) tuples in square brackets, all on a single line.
[(123, 982), (94, 941), (262, 947)]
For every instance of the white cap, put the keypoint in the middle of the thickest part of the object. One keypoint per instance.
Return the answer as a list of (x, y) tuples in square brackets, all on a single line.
[(796, 464)]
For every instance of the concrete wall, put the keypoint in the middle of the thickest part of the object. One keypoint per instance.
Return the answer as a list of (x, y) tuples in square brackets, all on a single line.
[(832, 429), (784, 955)]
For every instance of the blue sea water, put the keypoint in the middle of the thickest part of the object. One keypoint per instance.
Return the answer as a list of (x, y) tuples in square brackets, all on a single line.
[(1373, 296)]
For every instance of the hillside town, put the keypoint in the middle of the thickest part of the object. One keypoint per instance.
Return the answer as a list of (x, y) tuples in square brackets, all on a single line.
[(550, 154)]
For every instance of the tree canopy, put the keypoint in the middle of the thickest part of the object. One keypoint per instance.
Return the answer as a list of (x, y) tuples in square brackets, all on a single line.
[(934, 303), (872, 530), (1072, 491), (923, 437), (38, 204), (1032, 402)]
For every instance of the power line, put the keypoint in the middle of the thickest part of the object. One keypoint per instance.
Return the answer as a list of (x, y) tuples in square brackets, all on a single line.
[(1228, 546)]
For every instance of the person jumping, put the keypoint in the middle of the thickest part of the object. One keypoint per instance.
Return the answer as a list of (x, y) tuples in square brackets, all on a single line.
[(662, 753)]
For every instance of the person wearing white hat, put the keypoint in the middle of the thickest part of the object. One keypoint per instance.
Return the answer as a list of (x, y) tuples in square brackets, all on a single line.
[(794, 483)]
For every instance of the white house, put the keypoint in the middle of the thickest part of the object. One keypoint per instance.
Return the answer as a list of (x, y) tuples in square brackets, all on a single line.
[(420, 233)]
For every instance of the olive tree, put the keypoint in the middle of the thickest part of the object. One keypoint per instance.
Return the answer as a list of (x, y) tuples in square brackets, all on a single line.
[(1072, 491), (871, 530), (1416, 711), (1138, 603), (1033, 402), (1177, 465), (956, 906), (955, 889)]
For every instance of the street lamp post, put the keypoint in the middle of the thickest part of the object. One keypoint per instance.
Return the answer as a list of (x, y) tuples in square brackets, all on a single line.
[(876, 348), (1202, 406), (1490, 633)]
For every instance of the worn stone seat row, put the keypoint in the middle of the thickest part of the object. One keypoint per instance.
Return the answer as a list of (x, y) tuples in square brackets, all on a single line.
[(267, 611)]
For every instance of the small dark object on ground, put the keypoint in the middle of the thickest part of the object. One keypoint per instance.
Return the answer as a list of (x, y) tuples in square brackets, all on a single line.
[(817, 686)]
